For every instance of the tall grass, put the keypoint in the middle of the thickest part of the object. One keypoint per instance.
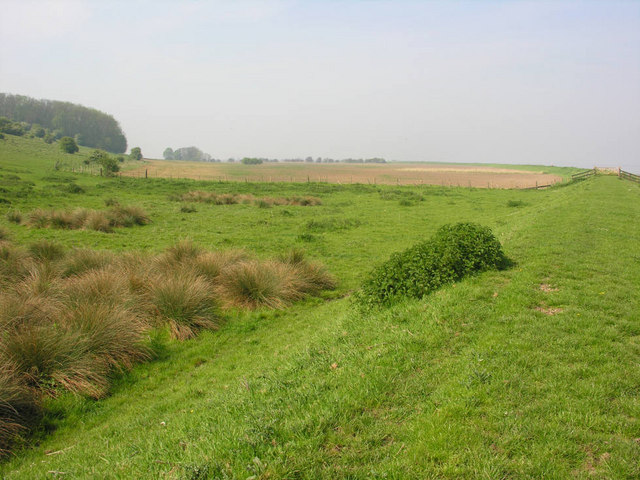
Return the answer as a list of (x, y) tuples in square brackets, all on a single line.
[(82, 218), (186, 303), (70, 318)]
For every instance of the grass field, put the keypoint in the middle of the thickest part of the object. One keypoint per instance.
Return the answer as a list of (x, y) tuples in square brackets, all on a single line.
[(529, 372), (395, 173)]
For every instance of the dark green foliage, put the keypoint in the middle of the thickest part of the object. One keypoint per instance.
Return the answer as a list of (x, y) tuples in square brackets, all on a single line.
[(136, 153), (186, 208), (73, 188), (68, 145), (12, 128), (37, 131), (332, 224), (515, 203), (92, 127), (251, 161), (454, 252)]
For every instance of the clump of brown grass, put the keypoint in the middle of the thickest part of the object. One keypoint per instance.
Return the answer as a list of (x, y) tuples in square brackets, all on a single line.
[(252, 284), (98, 221), (69, 319), (82, 218), (185, 303), (211, 265), (114, 337), (18, 403), (103, 286), (310, 277), (46, 250), (81, 260), (127, 216)]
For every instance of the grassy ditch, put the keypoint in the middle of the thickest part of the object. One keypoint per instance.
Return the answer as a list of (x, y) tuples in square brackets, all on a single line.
[(69, 319)]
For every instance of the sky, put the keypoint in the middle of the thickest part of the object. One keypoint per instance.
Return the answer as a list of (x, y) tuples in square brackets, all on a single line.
[(537, 82)]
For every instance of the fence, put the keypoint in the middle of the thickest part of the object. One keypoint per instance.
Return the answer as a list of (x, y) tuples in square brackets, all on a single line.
[(629, 176), (583, 175)]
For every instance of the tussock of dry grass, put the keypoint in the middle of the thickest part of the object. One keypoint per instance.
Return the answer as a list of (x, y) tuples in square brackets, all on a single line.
[(186, 303), (70, 318), (82, 218), (235, 198)]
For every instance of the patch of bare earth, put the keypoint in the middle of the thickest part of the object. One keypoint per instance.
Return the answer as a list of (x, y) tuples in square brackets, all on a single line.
[(545, 287), (548, 310)]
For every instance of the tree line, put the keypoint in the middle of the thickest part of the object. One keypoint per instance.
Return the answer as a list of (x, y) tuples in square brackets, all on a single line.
[(55, 119), (194, 154)]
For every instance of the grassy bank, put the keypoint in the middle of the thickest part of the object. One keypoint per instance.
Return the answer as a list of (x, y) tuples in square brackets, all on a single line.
[(528, 372)]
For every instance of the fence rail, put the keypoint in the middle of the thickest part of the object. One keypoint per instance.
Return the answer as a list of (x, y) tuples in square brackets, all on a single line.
[(629, 176), (585, 174)]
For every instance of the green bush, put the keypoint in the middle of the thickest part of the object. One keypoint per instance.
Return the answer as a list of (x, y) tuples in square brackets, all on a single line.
[(68, 145), (454, 252)]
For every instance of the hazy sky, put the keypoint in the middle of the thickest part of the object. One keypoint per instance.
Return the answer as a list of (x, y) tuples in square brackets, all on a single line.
[(479, 81)]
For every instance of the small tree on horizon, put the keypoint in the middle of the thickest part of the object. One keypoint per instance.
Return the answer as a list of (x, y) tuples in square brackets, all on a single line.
[(136, 153), (68, 145)]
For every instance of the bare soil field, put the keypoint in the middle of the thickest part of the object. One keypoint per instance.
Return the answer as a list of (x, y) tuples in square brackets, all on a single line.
[(390, 174)]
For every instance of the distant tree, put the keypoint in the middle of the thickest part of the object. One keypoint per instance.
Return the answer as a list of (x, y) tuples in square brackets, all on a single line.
[(251, 161), (136, 153), (231, 160), (12, 128), (308, 159), (68, 145), (48, 138), (168, 154)]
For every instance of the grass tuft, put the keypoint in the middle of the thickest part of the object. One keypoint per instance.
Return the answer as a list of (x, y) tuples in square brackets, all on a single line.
[(46, 250), (186, 303)]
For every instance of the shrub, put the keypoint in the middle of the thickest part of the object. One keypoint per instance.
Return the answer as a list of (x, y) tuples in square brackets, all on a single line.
[(4, 234), (452, 253), (185, 302), (68, 145)]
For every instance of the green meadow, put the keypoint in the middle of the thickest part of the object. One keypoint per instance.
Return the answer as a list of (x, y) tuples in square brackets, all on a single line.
[(528, 372)]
